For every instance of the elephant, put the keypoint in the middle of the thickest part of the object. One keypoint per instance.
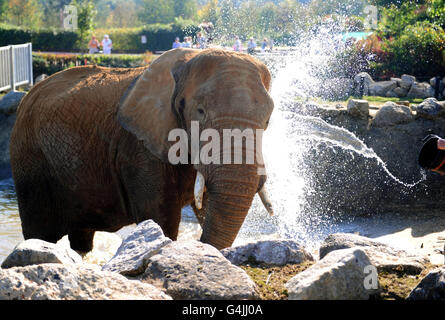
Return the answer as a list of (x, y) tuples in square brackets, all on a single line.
[(89, 149)]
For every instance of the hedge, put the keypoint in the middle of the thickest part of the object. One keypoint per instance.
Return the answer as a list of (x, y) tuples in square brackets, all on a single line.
[(49, 64), (159, 38)]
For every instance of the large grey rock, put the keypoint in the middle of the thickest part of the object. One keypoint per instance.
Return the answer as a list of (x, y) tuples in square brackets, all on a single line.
[(35, 251), (72, 282), (194, 270), (358, 108), (400, 92), (431, 109), (145, 241), (340, 275), (407, 81), (432, 287), (10, 102), (272, 252), (367, 82), (380, 88), (383, 256), (420, 90), (391, 114)]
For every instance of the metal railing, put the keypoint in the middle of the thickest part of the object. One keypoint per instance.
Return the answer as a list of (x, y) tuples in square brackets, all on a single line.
[(15, 66)]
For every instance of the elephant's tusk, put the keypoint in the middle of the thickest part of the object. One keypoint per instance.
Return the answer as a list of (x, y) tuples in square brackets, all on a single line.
[(265, 200), (199, 190)]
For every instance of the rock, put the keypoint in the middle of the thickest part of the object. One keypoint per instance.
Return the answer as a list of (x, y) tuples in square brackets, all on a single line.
[(358, 108), (145, 241), (41, 77), (10, 102), (194, 270), (340, 275), (431, 109), (420, 90), (271, 252), (432, 287), (35, 251), (391, 114), (367, 81), (383, 256), (400, 92), (407, 81), (391, 94), (380, 88), (105, 246), (72, 282)]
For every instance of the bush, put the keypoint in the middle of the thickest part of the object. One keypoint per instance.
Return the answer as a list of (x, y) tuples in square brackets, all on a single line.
[(159, 38), (419, 50), (52, 63)]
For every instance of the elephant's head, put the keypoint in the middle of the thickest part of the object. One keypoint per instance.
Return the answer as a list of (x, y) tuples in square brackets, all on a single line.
[(218, 90)]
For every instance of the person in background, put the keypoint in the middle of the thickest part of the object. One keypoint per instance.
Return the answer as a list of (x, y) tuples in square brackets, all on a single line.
[(187, 42), (107, 44), (237, 46), (176, 44), (93, 45), (271, 45), (201, 41), (264, 45), (251, 45)]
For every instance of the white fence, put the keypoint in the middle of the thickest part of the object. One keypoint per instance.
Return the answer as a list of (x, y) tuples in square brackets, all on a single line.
[(15, 66)]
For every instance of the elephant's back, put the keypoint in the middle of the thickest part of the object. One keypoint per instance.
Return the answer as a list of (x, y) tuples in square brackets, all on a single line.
[(66, 118)]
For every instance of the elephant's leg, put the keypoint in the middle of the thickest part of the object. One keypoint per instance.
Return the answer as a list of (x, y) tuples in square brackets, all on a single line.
[(40, 208), (81, 239)]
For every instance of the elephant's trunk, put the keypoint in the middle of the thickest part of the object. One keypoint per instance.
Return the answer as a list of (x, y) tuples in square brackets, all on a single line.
[(230, 190)]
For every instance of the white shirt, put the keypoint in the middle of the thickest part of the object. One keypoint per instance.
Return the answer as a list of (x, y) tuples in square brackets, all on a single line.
[(106, 45)]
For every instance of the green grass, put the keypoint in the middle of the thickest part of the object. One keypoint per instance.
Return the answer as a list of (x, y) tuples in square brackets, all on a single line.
[(374, 100)]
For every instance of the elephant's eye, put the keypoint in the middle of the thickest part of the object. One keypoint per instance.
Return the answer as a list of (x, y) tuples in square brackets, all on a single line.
[(200, 111)]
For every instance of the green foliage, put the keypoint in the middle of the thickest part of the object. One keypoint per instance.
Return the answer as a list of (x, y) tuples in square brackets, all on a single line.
[(86, 14), (419, 50), (52, 63), (159, 38), (436, 12)]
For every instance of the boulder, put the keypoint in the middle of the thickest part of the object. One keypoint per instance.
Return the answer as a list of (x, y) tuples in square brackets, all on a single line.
[(358, 108), (41, 77), (400, 92), (420, 90), (194, 270), (432, 287), (407, 81), (367, 81), (10, 102), (143, 242), (380, 88), (72, 282), (271, 252), (391, 114), (431, 109), (391, 94), (340, 275), (35, 251), (105, 245), (383, 256)]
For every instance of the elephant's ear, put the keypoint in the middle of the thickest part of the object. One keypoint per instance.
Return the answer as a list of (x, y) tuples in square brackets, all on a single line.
[(147, 110)]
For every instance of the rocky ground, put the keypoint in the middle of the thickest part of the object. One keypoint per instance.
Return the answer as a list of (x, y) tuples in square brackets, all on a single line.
[(147, 265)]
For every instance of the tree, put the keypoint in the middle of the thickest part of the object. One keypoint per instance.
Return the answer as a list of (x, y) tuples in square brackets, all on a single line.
[(209, 12), (86, 13), (157, 11), (186, 9), (24, 13), (124, 15)]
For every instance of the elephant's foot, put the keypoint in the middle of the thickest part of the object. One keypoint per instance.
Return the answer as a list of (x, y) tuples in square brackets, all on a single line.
[(81, 240)]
